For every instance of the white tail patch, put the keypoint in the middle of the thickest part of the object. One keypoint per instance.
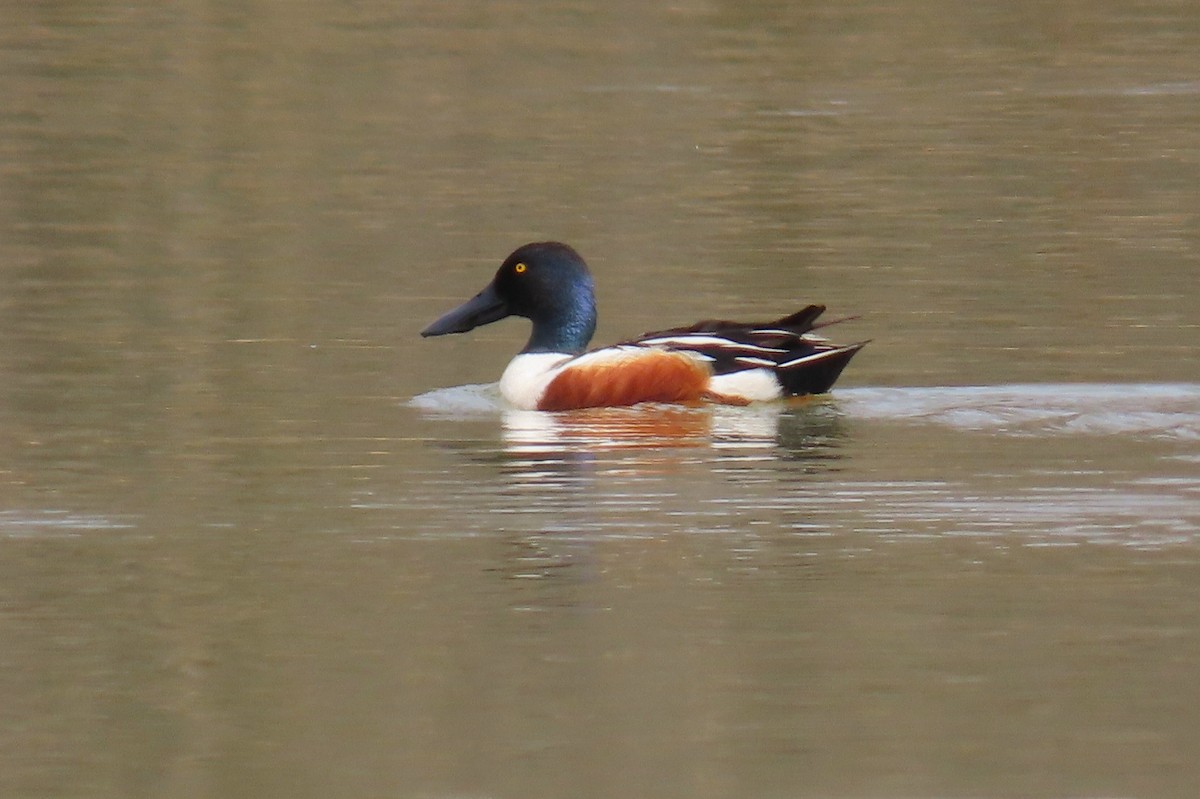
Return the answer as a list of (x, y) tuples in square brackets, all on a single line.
[(752, 385)]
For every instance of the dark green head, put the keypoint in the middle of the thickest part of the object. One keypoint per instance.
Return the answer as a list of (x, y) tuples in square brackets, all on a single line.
[(546, 282)]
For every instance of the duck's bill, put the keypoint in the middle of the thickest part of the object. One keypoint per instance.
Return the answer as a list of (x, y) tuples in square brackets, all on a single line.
[(484, 308)]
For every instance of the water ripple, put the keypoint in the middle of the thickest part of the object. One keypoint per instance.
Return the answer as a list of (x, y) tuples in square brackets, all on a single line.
[(1166, 410)]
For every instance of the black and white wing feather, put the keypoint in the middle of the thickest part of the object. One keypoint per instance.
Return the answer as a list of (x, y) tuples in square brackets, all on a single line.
[(802, 361)]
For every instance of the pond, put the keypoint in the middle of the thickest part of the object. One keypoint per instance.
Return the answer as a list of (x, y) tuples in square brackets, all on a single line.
[(258, 538)]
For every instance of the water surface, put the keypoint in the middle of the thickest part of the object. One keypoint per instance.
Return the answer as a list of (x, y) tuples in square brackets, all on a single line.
[(257, 538)]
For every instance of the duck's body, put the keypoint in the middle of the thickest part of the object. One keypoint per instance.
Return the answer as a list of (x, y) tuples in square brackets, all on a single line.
[(729, 362)]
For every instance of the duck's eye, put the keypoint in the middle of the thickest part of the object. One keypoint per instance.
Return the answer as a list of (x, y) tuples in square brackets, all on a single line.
[(520, 269)]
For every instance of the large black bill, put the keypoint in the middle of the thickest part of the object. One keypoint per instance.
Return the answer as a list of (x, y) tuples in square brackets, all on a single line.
[(484, 308)]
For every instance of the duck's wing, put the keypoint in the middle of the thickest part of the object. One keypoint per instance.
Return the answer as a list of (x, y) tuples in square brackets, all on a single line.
[(787, 349)]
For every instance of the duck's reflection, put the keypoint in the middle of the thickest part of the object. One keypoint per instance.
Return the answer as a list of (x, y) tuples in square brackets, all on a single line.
[(581, 485), (604, 429), (774, 429)]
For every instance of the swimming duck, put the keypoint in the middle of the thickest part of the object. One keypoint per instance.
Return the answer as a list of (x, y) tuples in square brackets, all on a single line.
[(549, 284)]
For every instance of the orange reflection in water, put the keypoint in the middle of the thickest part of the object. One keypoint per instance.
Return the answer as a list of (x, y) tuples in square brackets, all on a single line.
[(645, 427)]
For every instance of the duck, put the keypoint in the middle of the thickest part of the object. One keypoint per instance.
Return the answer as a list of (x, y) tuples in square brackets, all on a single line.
[(734, 363)]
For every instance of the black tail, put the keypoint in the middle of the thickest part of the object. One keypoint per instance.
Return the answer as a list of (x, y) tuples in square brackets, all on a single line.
[(815, 373)]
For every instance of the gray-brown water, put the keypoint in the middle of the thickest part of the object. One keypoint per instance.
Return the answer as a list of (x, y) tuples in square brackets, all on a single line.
[(259, 539)]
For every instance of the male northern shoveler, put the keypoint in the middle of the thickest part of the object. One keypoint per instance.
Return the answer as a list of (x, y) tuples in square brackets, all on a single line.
[(732, 362)]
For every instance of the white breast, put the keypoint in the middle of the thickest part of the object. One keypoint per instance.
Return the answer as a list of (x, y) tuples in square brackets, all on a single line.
[(527, 375)]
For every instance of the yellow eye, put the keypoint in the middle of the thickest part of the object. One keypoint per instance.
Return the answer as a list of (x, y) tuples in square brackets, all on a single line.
[(520, 268)]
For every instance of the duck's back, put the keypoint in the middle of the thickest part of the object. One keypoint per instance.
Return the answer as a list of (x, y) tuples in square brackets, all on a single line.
[(761, 360)]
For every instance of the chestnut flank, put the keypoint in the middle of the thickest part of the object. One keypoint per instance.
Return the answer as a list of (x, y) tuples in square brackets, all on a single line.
[(650, 376)]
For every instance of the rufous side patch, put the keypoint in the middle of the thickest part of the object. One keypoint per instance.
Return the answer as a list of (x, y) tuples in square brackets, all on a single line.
[(647, 376)]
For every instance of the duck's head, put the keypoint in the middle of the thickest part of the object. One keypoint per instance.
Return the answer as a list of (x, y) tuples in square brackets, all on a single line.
[(546, 282)]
